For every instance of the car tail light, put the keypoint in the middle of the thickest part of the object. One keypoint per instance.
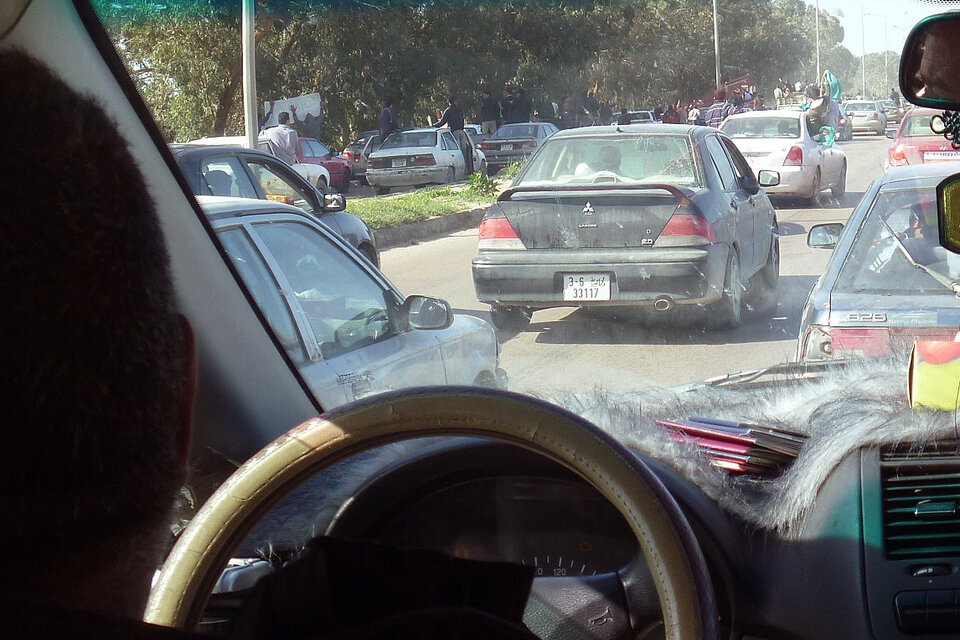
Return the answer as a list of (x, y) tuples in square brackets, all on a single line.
[(897, 156), (529, 144), (875, 116), (794, 157), (498, 234), (424, 160), (376, 163), (685, 229), (843, 121), (488, 146), (348, 155), (829, 343)]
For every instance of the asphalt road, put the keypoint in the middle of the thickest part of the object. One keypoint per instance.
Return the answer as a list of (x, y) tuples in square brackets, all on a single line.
[(575, 350)]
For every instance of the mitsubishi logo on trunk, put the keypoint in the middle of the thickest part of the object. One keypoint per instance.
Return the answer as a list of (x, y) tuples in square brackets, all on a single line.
[(587, 210)]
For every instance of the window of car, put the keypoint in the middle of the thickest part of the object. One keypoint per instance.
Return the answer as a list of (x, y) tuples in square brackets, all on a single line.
[(516, 131), (721, 163), (306, 149), (860, 107), (319, 149), (264, 288), (225, 176), (278, 186), (918, 125), (345, 307), (762, 127), (741, 168), (654, 158), (450, 142), (401, 139)]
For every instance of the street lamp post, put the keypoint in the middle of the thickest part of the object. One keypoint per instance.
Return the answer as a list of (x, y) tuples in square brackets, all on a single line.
[(863, 57), (716, 42), (818, 41), (248, 44)]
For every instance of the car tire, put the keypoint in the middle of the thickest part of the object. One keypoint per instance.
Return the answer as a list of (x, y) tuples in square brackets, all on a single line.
[(767, 280), (363, 180), (815, 189), (322, 185), (381, 191), (345, 187), (726, 313), (370, 254), (510, 318), (840, 189), (451, 176)]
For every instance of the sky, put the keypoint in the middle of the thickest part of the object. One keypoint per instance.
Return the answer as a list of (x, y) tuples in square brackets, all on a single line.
[(897, 17)]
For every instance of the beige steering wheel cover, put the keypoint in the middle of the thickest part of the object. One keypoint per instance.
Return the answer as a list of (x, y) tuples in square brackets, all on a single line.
[(195, 562)]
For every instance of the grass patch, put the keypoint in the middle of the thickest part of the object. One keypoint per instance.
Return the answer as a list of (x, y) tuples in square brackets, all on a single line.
[(421, 204)]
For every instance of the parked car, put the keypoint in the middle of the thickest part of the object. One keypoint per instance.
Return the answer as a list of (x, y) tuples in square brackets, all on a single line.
[(513, 142), (251, 173), (312, 151), (315, 174), (915, 143), (867, 115), (893, 111), (353, 153), (348, 329), (870, 300), (641, 117), (418, 157), (649, 216), (782, 141)]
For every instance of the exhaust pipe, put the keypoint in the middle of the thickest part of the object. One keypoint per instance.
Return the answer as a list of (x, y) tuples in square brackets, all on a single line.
[(663, 303)]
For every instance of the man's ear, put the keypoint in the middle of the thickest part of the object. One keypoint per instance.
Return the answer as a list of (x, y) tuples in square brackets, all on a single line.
[(189, 390)]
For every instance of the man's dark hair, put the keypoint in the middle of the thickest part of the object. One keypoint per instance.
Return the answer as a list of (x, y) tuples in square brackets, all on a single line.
[(452, 99), (93, 350), (388, 102), (283, 118)]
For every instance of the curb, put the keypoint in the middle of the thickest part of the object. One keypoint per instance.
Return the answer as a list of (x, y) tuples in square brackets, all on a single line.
[(430, 229)]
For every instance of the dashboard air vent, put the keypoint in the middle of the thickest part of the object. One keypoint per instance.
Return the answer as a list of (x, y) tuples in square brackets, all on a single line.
[(937, 450), (921, 503)]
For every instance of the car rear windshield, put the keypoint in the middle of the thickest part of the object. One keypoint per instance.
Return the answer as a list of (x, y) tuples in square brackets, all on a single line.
[(918, 125), (860, 106), (653, 158), (762, 127), (400, 139), (876, 264), (516, 131)]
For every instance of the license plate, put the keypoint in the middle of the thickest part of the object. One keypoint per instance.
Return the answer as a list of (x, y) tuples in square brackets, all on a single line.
[(399, 162), (941, 155), (506, 147), (586, 287)]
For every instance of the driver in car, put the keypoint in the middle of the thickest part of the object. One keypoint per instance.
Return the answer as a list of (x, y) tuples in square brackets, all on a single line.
[(98, 405)]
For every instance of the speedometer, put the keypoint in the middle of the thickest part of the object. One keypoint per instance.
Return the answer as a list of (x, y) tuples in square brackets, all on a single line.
[(557, 565)]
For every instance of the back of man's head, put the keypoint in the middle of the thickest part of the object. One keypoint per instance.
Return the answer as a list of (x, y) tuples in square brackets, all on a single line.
[(283, 118), (93, 355)]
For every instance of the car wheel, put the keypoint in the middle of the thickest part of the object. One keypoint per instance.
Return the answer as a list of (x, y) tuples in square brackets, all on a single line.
[(726, 313), (363, 180), (510, 318), (767, 281), (381, 191), (345, 187), (322, 184), (814, 198), (370, 253), (451, 175), (840, 189)]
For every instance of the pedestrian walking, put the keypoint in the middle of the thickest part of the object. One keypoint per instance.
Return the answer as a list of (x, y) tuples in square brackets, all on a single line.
[(489, 113), (387, 122), (453, 118), (717, 112)]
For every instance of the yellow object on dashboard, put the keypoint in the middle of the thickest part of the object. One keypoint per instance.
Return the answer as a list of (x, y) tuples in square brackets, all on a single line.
[(279, 198), (935, 375)]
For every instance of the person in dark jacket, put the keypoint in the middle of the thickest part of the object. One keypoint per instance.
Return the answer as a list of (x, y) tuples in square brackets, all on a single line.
[(624, 117), (453, 118), (507, 104), (387, 122), (489, 113), (522, 107)]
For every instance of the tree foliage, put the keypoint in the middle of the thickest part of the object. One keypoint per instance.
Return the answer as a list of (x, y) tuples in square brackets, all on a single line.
[(185, 55)]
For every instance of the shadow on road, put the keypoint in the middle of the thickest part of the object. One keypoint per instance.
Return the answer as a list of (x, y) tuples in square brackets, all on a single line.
[(631, 326)]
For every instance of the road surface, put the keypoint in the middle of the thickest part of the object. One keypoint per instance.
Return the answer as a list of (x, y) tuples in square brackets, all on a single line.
[(575, 350)]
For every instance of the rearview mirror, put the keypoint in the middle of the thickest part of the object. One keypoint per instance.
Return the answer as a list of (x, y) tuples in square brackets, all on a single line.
[(824, 236), (334, 202), (768, 178), (929, 66), (421, 312)]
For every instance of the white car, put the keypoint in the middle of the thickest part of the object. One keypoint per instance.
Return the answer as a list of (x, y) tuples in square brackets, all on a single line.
[(867, 115), (416, 157), (315, 174), (781, 141), (348, 329)]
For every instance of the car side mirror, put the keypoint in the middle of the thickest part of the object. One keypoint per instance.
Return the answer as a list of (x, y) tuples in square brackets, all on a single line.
[(891, 134), (824, 236), (421, 312), (768, 178), (334, 202), (948, 212), (928, 76)]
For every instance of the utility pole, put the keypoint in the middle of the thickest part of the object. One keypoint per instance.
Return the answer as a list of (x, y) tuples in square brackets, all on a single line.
[(863, 57), (716, 41), (249, 44), (818, 41)]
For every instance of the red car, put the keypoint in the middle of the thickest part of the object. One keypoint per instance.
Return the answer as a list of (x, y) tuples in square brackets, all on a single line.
[(915, 143), (312, 151)]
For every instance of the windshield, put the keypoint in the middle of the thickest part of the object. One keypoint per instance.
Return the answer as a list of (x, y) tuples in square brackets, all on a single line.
[(857, 107), (410, 139), (517, 131), (630, 159), (762, 127), (917, 125)]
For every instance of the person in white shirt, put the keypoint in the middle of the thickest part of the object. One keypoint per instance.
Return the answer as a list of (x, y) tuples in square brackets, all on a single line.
[(284, 139)]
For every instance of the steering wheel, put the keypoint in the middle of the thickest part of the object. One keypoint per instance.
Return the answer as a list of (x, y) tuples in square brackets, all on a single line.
[(670, 549)]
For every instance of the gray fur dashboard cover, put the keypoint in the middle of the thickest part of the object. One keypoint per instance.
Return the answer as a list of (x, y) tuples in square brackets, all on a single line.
[(862, 404)]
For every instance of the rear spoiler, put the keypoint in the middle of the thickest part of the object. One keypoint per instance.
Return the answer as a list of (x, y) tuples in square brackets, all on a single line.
[(678, 193)]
